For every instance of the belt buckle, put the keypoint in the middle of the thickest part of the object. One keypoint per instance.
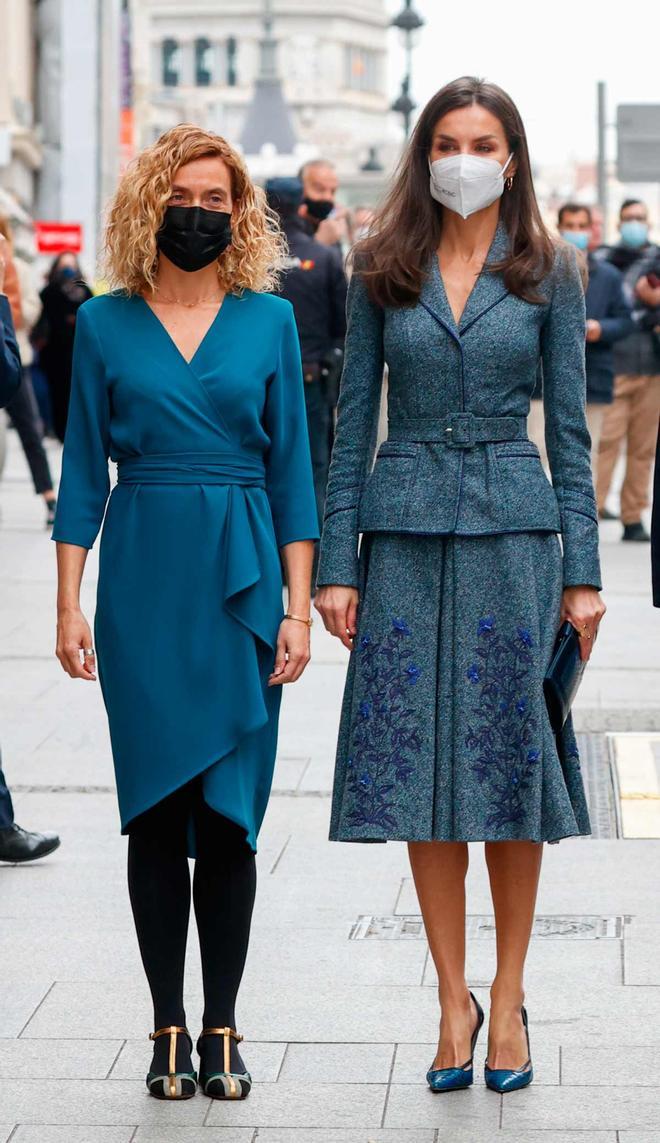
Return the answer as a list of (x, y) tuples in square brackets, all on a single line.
[(460, 431)]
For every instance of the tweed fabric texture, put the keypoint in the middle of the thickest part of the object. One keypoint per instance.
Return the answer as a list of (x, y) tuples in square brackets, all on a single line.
[(446, 374), (444, 732)]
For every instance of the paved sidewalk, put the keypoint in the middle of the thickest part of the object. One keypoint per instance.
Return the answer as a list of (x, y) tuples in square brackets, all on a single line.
[(338, 1004)]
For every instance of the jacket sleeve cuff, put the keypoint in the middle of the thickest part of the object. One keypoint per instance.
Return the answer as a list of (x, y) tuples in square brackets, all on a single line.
[(580, 544), (338, 559)]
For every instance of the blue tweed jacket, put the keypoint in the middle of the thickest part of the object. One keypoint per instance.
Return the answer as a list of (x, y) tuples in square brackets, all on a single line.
[(457, 459)]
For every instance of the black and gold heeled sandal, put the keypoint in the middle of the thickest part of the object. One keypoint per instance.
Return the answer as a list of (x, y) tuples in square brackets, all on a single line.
[(174, 1085), (226, 1084)]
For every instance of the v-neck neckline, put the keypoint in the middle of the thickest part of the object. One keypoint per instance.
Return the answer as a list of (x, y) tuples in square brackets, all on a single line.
[(187, 361), (478, 277)]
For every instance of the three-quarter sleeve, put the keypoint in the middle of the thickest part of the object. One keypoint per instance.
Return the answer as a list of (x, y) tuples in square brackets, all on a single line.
[(85, 483), (355, 440), (566, 432), (289, 483)]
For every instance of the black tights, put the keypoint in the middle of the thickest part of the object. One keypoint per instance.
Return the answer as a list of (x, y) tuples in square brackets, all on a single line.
[(224, 885)]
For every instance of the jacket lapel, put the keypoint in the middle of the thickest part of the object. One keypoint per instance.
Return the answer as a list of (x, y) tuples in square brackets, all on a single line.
[(489, 288)]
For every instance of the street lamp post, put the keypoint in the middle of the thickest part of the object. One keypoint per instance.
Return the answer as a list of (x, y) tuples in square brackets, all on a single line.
[(408, 22)]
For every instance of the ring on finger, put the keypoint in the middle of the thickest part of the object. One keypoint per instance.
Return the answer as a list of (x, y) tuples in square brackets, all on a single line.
[(88, 652)]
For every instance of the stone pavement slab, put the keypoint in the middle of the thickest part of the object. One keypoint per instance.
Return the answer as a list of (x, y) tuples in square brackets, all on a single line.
[(633, 1066), (273, 1135), (195, 1135), (476, 1110), (287, 1104), (579, 1108), (65, 1059), (70, 1134), (19, 1000), (338, 1063), (98, 1103)]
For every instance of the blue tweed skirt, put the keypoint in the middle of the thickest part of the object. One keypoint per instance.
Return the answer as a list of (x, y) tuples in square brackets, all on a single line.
[(444, 731)]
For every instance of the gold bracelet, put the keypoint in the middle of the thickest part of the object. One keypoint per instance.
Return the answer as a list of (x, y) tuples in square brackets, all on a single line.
[(307, 622)]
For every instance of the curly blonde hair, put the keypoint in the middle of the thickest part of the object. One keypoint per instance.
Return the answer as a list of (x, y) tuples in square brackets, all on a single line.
[(253, 260)]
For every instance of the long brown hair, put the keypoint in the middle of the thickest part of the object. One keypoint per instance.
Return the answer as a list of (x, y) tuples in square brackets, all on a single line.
[(394, 256)]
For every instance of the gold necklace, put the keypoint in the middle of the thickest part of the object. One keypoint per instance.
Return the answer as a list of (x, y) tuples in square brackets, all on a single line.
[(188, 305)]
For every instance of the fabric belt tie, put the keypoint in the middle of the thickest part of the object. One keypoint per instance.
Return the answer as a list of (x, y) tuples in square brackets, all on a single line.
[(458, 430), (192, 468), (246, 593)]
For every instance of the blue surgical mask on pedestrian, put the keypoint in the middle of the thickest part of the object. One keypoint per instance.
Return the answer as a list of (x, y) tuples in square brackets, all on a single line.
[(577, 238), (634, 233)]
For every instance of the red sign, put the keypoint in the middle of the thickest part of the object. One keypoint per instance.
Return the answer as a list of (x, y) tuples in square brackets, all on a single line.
[(58, 237)]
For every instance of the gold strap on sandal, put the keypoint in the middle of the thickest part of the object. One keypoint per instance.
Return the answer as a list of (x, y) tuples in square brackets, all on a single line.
[(172, 1032), (227, 1033)]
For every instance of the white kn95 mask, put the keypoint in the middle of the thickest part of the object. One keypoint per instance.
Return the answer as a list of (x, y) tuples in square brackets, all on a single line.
[(467, 183)]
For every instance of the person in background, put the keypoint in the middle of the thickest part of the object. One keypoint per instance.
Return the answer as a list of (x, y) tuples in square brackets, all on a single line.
[(633, 415), (315, 283), (16, 844), (327, 221), (22, 409), (61, 299), (609, 317)]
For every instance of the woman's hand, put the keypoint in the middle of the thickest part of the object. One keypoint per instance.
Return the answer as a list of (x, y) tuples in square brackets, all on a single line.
[(73, 636), (584, 608), (292, 654), (338, 607)]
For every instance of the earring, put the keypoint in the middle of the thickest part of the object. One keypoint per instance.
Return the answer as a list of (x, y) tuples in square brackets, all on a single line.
[(508, 182)]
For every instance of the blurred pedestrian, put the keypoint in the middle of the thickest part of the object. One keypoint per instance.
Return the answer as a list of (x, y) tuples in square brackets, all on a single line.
[(609, 318), (61, 298), (632, 418), (22, 409), (189, 377), (16, 844), (460, 579), (327, 221), (315, 283)]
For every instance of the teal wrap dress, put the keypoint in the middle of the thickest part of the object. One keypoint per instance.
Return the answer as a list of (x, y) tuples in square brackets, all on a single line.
[(214, 477)]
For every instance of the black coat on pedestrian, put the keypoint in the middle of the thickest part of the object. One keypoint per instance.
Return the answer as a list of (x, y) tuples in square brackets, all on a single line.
[(61, 299), (606, 304), (315, 283), (10, 360)]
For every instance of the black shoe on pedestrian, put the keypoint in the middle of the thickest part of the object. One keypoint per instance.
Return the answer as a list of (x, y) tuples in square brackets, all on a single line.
[(636, 532), (51, 506), (605, 514), (17, 845)]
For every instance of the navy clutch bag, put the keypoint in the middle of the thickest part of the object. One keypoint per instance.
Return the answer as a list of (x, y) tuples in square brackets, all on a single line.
[(563, 676)]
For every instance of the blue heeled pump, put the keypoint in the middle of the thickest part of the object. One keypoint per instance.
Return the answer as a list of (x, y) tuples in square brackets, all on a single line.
[(453, 1079), (510, 1079)]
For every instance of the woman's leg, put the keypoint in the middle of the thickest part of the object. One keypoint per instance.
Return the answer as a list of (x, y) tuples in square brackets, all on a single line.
[(514, 868), (224, 887), (439, 869), (159, 889)]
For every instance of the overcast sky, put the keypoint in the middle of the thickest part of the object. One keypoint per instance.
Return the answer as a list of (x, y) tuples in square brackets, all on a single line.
[(548, 56)]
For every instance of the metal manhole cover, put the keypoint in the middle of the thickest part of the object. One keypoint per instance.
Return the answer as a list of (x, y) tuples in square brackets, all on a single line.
[(563, 926)]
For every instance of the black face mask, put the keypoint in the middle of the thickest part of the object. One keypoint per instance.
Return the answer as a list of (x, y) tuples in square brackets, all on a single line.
[(319, 208), (193, 237)]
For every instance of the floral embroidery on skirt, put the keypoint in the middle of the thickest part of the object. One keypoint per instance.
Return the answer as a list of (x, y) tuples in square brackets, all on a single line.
[(444, 732)]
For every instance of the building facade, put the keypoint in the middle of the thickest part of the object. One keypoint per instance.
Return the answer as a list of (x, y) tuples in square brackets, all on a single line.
[(198, 62), (20, 151)]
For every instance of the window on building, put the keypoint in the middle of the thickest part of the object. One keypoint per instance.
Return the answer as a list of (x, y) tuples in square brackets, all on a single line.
[(203, 62), (232, 48), (361, 68), (171, 59)]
